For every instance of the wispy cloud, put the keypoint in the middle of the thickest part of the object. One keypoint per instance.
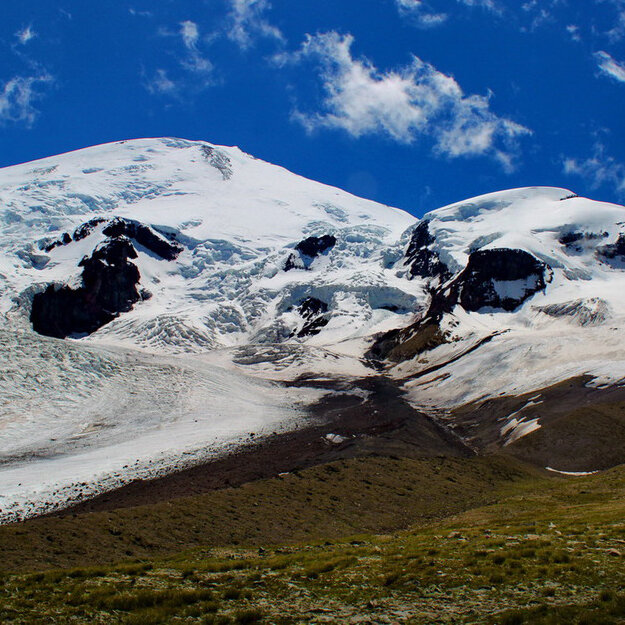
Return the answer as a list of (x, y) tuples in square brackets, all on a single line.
[(244, 22), (247, 21), (25, 34), (539, 13), (609, 66), (424, 15), (190, 34), (487, 4), (194, 71), (617, 31), (140, 13), (573, 31), (18, 97), (421, 13), (405, 104), (161, 84), (196, 62), (599, 170)]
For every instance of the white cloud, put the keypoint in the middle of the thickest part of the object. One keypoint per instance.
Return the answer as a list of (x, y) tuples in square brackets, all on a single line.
[(190, 34), (17, 97), (487, 4), (600, 169), (405, 104), (573, 31), (420, 12), (609, 66), (539, 12), (25, 34), (195, 62), (140, 13), (425, 16), (194, 72), (246, 22), (162, 84), (617, 32)]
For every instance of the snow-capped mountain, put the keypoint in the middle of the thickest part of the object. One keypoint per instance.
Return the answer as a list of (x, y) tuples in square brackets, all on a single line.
[(156, 294), (225, 244)]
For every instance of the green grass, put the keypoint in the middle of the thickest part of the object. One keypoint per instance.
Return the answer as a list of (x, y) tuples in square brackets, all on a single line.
[(542, 552)]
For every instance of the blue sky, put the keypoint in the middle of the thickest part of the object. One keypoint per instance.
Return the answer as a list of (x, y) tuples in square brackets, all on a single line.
[(413, 103)]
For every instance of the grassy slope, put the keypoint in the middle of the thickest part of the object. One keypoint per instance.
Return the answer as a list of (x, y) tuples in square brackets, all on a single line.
[(344, 497), (541, 551)]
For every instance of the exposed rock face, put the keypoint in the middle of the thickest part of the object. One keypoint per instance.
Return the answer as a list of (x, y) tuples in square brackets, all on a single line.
[(312, 311), (81, 232), (615, 250), (424, 262), (109, 279), (219, 160), (405, 343), (109, 287), (142, 234), (308, 250), (585, 312), (499, 278), (574, 240)]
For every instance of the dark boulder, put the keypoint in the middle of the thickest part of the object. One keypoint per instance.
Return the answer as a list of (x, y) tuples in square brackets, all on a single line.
[(109, 287)]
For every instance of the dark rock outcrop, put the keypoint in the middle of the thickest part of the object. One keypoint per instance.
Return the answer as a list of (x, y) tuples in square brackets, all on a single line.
[(83, 231), (313, 246), (144, 236), (498, 278), (312, 310), (487, 280), (574, 240), (109, 287), (613, 251), (423, 261), (140, 233), (405, 343), (309, 249), (109, 279), (570, 238)]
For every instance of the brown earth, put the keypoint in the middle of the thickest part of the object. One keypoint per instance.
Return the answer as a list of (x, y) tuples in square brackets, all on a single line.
[(582, 427)]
